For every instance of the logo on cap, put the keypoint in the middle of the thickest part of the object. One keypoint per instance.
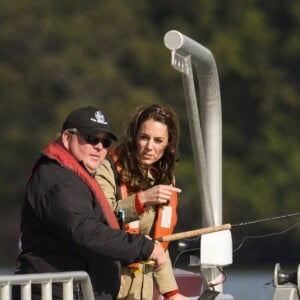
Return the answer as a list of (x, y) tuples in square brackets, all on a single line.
[(99, 117)]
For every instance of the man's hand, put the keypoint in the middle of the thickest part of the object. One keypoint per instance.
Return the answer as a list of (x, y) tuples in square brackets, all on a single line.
[(158, 256)]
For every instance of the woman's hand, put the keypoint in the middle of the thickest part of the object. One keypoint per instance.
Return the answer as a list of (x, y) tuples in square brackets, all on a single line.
[(158, 194)]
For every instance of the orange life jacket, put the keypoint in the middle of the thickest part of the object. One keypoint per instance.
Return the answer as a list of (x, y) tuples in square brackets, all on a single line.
[(166, 217)]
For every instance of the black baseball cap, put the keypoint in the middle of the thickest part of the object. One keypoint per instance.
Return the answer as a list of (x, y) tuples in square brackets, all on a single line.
[(89, 121)]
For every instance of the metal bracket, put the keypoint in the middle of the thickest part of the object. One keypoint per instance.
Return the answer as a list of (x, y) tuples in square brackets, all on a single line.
[(180, 62)]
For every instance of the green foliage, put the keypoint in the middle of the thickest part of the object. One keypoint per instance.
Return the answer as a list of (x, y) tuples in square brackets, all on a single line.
[(57, 55)]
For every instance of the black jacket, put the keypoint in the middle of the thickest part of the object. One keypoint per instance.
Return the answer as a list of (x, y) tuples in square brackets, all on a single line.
[(63, 229)]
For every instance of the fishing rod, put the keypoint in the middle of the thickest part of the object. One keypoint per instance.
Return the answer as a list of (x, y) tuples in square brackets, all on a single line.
[(211, 229)]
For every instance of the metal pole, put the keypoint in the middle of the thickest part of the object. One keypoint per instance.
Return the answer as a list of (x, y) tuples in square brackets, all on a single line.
[(185, 50), (207, 138)]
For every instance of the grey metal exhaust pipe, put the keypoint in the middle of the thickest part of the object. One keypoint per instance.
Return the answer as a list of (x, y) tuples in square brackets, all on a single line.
[(207, 139)]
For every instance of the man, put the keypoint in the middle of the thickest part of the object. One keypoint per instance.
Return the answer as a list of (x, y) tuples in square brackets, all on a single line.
[(66, 222)]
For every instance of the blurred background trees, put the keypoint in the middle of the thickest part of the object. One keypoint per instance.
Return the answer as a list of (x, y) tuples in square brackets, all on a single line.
[(58, 55)]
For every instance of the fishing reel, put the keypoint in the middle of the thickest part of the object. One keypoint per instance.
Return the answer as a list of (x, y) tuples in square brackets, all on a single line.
[(287, 285)]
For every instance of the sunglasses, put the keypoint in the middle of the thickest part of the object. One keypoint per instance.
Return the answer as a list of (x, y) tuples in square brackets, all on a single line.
[(93, 140)]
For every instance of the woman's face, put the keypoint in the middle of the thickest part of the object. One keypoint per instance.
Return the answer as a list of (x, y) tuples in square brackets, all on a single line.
[(151, 141)]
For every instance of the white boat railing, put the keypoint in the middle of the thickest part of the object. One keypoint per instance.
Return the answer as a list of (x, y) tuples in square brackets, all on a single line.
[(25, 281)]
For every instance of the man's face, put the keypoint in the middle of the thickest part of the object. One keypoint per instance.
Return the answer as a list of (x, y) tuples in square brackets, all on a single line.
[(90, 154)]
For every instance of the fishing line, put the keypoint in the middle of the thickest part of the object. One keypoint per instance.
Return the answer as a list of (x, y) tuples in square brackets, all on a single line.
[(265, 220), (242, 242), (184, 252), (210, 284), (211, 229), (263, 236)]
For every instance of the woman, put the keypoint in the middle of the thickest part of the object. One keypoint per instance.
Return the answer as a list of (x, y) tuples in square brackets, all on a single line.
[(138, 178)]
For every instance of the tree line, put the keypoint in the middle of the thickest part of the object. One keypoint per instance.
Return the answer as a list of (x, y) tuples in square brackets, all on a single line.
[(58, 55)]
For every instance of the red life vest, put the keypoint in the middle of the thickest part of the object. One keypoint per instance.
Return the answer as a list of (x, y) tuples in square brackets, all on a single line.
[(57, 152)]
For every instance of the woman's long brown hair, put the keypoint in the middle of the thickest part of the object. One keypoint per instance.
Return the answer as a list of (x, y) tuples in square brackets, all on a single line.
[(133, 173)]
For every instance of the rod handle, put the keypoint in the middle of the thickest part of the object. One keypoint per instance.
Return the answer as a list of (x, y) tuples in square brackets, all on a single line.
[(193, 233)]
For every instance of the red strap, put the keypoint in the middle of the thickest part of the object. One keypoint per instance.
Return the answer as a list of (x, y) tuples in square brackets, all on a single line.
[(56, 151), (138, 205), (171, 293)]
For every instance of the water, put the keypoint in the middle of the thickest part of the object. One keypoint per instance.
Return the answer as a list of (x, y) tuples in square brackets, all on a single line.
[(6, 271), (249, 285)]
